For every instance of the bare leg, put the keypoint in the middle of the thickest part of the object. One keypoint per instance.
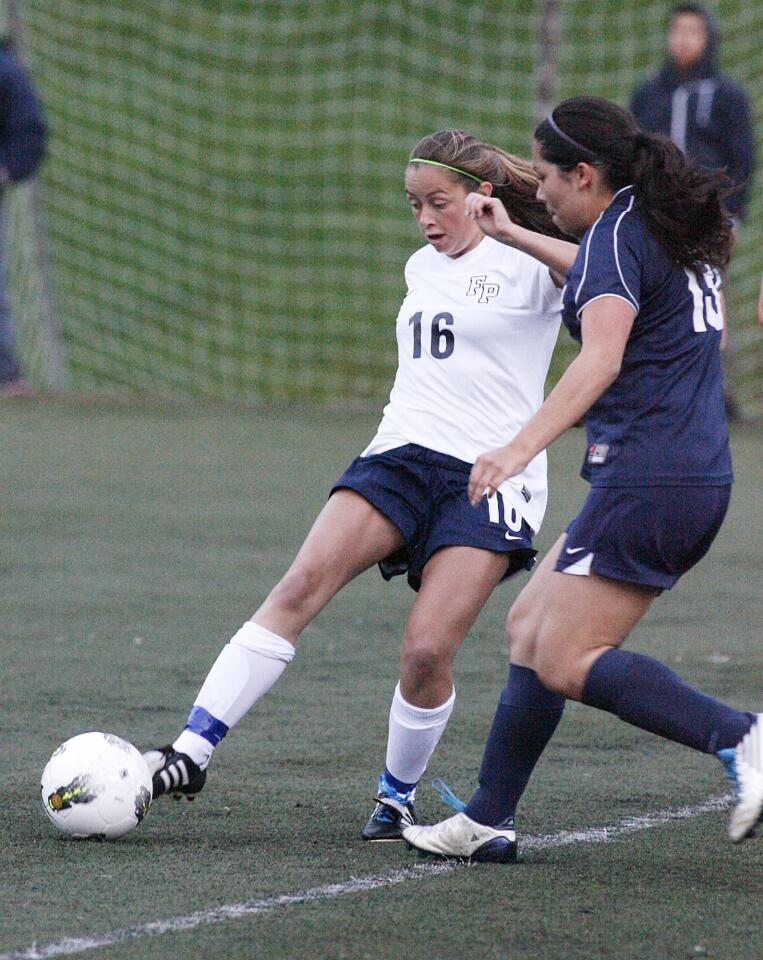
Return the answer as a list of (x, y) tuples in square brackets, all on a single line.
[(550, 627), (455, 586), (565, 633), (456, 583), (348, 536)]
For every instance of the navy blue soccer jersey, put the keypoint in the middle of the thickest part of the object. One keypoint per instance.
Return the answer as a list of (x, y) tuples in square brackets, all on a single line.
[(662, 422)]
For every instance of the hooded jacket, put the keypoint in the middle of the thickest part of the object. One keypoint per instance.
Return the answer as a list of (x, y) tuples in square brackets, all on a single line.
[(705, 114), (22, 124)]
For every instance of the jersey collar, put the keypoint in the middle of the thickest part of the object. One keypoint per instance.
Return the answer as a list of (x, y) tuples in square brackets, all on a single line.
[(622, 197), (476, 253)]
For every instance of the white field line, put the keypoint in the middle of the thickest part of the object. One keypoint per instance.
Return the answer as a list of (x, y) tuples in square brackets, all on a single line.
[(331, 891), (620, 829)]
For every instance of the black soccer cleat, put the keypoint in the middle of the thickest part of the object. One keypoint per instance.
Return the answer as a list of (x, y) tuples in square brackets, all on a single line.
[(174, 773), (388, 819)]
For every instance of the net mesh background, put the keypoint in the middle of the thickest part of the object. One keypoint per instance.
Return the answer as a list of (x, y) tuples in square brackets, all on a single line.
[(223, 204)]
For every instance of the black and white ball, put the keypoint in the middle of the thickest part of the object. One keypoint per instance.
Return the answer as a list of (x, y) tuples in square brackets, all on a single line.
[(96, 785)]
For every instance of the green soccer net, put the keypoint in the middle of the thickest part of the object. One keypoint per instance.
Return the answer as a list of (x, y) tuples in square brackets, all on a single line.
[(223, 198)]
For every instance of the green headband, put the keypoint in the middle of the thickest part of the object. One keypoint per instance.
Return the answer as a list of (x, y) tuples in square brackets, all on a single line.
[(446, 166)]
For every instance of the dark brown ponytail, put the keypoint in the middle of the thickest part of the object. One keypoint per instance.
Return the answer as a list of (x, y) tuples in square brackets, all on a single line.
[(682, 205)]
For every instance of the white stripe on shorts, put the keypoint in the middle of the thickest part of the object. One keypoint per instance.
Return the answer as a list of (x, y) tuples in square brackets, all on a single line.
[(581, 568)]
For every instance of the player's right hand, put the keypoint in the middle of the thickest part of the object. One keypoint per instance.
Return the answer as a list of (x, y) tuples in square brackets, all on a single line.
[(490, 469)]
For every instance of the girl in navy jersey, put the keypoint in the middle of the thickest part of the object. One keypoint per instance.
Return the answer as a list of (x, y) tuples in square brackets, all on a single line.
[(475, 335), (642, 297)]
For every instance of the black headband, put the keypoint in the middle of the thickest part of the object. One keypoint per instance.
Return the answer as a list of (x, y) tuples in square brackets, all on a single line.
[(573, 143)]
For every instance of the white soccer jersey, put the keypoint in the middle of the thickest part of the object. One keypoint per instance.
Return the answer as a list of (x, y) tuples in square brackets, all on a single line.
[(475, 336)]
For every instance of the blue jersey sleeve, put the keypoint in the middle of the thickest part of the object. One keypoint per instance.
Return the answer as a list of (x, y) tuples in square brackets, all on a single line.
[(611, 261)]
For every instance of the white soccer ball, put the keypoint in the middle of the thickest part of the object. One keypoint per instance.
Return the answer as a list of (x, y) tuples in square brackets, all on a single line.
[(96, 785)]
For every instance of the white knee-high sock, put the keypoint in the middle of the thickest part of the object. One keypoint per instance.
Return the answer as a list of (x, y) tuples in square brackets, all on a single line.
[(414, 732), (245, 670)]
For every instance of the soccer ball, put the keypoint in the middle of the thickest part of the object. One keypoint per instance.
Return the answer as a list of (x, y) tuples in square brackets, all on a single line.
[(96, 785)]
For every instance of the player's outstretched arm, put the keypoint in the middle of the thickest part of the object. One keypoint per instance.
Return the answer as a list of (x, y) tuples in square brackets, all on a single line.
[(606, 323), (493, 219)]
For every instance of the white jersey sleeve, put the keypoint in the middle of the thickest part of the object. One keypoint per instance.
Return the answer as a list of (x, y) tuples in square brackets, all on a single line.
[(475, 336)]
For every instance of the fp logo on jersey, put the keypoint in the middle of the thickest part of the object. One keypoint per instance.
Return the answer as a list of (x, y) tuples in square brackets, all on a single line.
[(484, 292)]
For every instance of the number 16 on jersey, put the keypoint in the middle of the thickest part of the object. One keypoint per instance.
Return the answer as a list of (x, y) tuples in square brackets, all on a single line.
[(442, 341)]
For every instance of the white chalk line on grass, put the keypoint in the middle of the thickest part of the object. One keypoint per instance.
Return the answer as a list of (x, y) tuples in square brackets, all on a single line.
[(331, 891), (619, 829)]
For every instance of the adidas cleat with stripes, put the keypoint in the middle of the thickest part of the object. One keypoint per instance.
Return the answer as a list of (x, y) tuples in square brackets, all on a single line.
[(461, 838), (746, 773), (174, 773)]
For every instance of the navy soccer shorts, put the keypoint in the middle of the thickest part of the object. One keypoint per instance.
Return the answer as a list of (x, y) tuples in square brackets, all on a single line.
[(424, 494), (644, 535)]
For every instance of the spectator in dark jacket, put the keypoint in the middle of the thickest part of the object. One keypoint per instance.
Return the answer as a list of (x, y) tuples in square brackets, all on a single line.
[(704, 113), (22, 147)]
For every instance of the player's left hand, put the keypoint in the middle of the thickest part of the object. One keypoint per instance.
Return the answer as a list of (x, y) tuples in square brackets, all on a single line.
[(490, 216), (491, 469)]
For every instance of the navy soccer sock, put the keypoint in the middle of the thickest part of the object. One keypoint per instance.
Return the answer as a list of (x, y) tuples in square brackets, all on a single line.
[(524, 721), (644, 692)]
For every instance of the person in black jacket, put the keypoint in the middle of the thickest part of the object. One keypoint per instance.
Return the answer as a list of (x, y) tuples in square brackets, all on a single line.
[(703, 112), (23, 135)]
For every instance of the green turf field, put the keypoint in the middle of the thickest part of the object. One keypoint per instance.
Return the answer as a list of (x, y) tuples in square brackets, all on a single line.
[(135, 540)]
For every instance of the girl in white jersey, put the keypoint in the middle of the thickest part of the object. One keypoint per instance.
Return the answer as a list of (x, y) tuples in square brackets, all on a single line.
[(475, 335)]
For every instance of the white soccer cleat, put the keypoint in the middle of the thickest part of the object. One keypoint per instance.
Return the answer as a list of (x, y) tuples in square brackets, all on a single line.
[(462, 838), (748, 762)]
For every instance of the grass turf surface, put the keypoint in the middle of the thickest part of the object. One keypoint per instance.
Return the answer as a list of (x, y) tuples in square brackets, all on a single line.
[(135, 540)]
